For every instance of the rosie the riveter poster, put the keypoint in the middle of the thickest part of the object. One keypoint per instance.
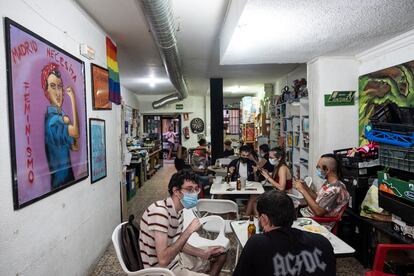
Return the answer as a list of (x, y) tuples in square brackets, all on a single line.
[(47, 115)]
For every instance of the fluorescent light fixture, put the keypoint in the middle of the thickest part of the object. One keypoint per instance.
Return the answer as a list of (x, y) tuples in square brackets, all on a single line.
[(152, 81)]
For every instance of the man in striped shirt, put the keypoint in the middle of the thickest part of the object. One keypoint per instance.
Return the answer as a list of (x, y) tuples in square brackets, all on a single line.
[(162, 237)]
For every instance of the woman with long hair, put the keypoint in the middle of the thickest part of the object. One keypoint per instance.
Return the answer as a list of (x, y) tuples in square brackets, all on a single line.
[(280, 178)]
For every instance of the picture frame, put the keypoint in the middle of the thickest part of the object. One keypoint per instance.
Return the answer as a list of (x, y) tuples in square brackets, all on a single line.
[(100, 88), (47, 116), (97, 145)]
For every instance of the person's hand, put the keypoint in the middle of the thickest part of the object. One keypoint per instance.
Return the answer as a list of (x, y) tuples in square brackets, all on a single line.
[(213, 251), (231, 170), (299, 185), (194, 225), (70, 92), (255, 168), (265, 173)]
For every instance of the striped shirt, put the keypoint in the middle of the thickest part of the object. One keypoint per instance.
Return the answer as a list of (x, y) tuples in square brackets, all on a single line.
[(159, 216)]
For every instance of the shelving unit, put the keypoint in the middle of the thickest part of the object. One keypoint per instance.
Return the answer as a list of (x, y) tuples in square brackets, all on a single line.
[(291, 130)]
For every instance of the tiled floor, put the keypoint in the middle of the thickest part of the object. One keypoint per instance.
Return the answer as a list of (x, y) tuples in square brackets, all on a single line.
[(155, 189)]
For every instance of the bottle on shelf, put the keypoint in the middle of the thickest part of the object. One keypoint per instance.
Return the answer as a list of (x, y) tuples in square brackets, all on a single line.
[(251, 228), (238, 184)]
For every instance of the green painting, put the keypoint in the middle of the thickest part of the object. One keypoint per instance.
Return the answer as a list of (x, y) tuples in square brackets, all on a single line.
[(391, 85)]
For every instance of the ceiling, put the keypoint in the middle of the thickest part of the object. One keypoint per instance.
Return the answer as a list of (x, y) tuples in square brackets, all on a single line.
[(307, 29)]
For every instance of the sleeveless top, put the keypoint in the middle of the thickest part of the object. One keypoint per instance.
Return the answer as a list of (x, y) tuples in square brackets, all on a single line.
[(288, 185)]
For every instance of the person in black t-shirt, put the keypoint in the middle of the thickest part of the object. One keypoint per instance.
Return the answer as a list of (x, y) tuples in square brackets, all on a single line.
[(281, 249), (228, 150)]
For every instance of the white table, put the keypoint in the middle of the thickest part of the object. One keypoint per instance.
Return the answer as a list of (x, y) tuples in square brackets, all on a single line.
[(252, 188), (340, 247)]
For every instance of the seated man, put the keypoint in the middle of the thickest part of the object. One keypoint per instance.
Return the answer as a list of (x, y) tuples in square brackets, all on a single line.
[(243, 166), (162, 237), (333, 194), (228, 150), (281, 249)]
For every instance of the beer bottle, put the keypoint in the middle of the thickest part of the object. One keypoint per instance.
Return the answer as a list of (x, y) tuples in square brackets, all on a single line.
[(251, 229), (238, 184), (228, 178)]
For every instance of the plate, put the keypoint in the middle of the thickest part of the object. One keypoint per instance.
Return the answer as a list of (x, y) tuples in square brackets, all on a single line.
[(315, 229)]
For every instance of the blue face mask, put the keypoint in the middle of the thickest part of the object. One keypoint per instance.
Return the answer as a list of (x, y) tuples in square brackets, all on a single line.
[(189, 200), (320, 173)]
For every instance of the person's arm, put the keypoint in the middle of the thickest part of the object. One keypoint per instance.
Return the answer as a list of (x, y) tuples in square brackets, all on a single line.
[(73, 129), (179, 153), (282, 179), (165, 253), (202, 253), (310, 198)]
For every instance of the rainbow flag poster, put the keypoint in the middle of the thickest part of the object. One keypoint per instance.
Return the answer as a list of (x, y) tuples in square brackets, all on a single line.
[(111, 59)]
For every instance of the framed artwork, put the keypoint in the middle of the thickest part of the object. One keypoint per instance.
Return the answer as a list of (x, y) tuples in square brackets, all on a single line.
[(47, 116), (97, 144), (100, 88)]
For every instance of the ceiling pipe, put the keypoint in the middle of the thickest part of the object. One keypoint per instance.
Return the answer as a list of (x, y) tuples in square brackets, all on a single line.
[(159, 16)]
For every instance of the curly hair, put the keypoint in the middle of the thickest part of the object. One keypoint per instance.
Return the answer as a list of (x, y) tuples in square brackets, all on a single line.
[(177, 180)]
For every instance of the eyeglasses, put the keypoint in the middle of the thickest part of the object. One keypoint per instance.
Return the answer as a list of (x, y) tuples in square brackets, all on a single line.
[(192, 190)]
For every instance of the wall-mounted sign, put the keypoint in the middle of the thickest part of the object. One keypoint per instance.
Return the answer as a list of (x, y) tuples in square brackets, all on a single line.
[(179, 106), (338, 98)]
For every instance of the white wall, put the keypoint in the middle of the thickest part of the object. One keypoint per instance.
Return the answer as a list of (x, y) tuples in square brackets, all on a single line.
[(64, 233), (297, 73), (331, 127), (194, 105), (129, 98)]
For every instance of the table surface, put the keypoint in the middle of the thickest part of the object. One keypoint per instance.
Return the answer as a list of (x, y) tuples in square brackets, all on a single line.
[(340, 247), (217, 169), (252, 188)]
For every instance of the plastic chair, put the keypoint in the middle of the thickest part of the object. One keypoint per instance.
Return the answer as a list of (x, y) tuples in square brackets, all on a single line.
[(195, 239), (116, 240), (224, 161), (335, 219), (381, 253), (219, 207)]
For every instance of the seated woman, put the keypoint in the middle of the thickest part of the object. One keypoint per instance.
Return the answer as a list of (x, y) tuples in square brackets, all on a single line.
[(281, 177), (180, 160), (264, 160)]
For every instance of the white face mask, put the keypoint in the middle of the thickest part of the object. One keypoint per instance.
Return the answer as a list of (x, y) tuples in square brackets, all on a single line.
[(273, 161)]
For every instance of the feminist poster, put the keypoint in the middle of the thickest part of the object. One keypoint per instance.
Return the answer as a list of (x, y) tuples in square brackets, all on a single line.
[(47, 116)]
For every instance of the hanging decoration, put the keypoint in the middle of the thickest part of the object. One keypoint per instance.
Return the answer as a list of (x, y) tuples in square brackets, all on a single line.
[(186, 133), (112, 61), (197, 125)]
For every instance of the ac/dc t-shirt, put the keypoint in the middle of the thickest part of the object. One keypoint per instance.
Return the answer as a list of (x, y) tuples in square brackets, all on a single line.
[(287, 251)]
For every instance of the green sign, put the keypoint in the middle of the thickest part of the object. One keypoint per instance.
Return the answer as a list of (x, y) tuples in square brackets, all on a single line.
[(179, 106), (340, 98)]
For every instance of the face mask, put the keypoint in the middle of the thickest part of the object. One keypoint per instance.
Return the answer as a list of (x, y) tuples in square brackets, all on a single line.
[(260, 226), (189, 200), (273, 161), (262, 154), (243, 159), (320, 173)]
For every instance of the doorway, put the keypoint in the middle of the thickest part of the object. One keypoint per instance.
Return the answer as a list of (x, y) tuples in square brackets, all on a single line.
[(171, 135)]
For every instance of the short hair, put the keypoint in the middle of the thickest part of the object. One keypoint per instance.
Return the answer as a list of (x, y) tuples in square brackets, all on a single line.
[(245, 148), (227, 142), (264, 148), (332, 163), (202, 142), (177, 180), (278, 206)]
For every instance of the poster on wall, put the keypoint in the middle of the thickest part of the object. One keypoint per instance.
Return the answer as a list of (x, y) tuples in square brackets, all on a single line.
[(97, 147), (47, 116), (393, 85), (100, 88)]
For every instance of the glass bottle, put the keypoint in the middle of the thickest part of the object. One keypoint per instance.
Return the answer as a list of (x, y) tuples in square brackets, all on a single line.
[(251, 229), (238, 184)]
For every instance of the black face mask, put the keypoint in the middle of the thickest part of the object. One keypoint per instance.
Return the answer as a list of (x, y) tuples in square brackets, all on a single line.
[(243, 160)]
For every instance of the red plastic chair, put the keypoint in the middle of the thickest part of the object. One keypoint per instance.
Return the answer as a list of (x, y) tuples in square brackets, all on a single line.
[(381, 253), (335, 219)]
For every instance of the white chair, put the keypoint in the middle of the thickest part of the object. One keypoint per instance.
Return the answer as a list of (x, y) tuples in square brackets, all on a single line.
[(308, 181), (224, 161), (218, 207), (195, 239), (117, 241)]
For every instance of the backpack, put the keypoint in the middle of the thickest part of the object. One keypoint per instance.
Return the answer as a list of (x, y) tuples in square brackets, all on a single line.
[(130, 245)]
